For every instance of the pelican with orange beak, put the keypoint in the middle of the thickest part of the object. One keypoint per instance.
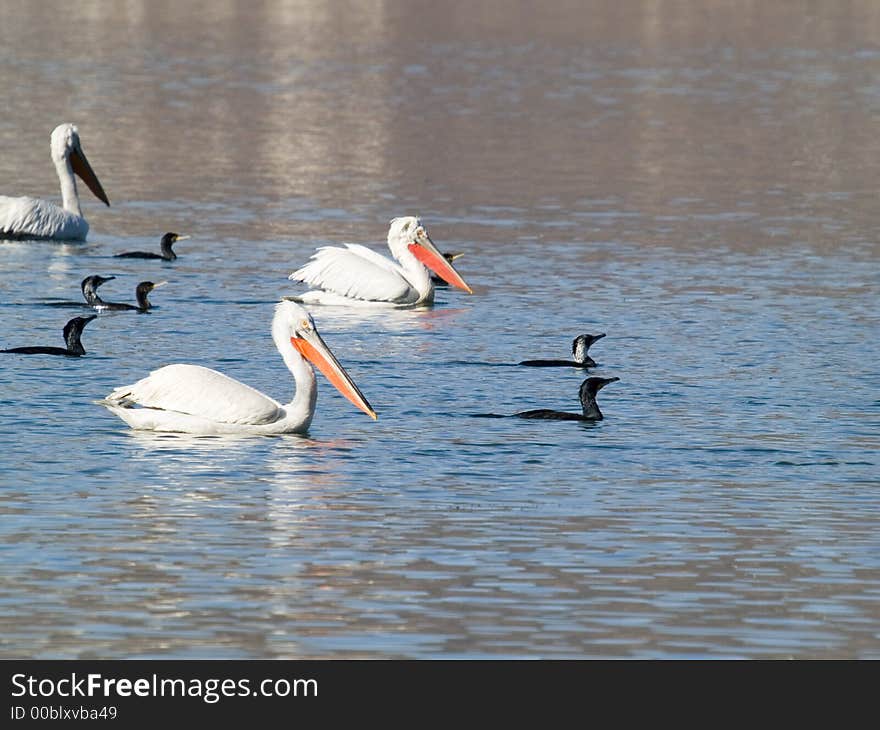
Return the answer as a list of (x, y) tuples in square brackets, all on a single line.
[(197, 400), (33, 218), (358, 275)]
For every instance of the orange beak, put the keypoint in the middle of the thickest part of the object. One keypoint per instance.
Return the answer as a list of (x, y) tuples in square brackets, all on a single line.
[(426, 252), (315, 350), (81, 167)]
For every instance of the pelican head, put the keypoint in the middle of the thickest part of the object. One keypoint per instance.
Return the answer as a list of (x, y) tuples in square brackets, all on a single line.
[(408, 233), (294, 325), (66, 147)]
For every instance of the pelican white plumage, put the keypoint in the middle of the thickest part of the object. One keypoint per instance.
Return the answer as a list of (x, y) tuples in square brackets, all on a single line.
[(198, 400), (357, 275), (33, 218)]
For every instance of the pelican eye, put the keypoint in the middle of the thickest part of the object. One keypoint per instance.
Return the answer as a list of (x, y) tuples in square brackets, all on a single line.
[(305, 324)]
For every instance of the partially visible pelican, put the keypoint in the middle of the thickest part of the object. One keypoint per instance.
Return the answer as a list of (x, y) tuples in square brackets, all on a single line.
[(357, 275), (33, 218), (587, 394), (72, 333), (168, 240), (580, 345), (198, 400)]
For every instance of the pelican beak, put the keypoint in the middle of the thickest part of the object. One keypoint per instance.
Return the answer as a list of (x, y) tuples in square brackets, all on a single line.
[(424, 250), (81, 167), (310, 345)]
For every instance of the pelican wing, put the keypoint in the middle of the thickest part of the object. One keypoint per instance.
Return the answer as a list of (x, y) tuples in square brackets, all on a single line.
[(24, 217), (201, 392), (358, 273)]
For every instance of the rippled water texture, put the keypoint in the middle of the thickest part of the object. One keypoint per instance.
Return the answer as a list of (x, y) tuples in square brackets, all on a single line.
[(698, 180)]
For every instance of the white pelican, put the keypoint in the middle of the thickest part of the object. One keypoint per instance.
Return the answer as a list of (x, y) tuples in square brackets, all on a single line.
[(32, 218), (198, 400), (357, 275)]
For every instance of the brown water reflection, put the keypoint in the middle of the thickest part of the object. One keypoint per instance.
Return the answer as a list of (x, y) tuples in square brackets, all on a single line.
[(672, 109)]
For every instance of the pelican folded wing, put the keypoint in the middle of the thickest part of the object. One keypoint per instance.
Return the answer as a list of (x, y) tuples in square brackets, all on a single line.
[(358, 273), (202, 392)]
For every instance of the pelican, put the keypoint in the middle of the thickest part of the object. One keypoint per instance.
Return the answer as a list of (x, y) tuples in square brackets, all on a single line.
[(32, 218), (198, 400), (357, 275)]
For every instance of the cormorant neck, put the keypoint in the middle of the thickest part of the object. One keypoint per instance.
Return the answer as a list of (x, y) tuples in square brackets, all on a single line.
[(92, 297), (142, 301), (591, 409), (74, 344)]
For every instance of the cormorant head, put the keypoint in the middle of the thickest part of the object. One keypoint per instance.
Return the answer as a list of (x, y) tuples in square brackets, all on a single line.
[(90, 286), (72, 332), (144, 288), (591, 386), (581, 345), (169, 239)]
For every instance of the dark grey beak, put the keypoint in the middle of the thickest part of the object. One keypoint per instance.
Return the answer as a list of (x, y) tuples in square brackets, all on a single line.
[(604, 381)]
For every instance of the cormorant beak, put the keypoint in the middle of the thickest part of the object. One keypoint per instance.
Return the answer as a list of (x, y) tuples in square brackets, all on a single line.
[(81, 167), (604, 382), (161, 283), (310, 345), (598, 337), (181, 238), (424, 250)]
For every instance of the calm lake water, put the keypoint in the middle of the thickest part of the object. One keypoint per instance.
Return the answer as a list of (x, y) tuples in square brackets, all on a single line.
[(697, 180)]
